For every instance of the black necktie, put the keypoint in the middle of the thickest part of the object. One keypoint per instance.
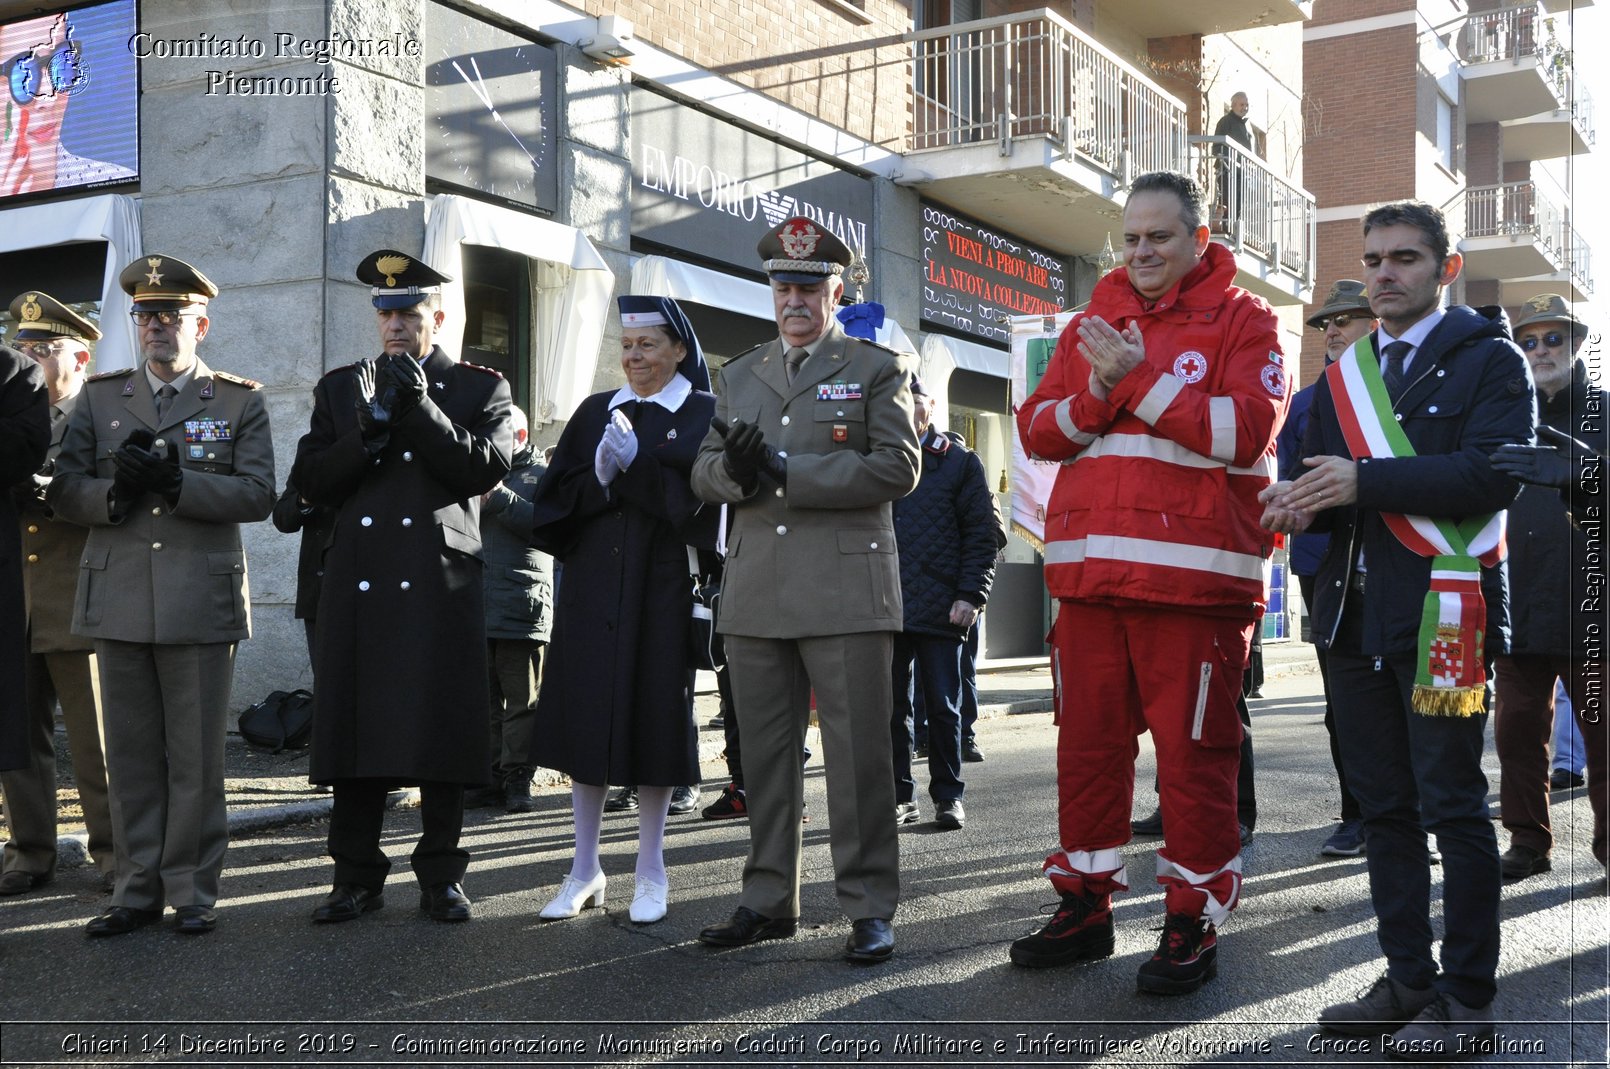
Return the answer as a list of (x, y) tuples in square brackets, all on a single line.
[(165, 398), (796, 356), (1392, 370)]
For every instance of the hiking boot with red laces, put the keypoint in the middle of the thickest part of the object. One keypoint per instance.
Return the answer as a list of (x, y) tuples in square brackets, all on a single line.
[(1185, 958), (1080, 930), (729, 806)]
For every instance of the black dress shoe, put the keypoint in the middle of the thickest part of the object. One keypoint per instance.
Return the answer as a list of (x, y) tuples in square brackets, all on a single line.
[(683, 799), (1519, 862), (622, 801), (971, 753), (871, 940), (17, 882), (1561, 779), (445, 902), (747, 926), (347, 902), (1152, 825), (121, 920), (195, 920), (950, 814)]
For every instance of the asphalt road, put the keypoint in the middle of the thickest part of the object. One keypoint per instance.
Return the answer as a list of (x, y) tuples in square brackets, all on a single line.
[(270, 988)]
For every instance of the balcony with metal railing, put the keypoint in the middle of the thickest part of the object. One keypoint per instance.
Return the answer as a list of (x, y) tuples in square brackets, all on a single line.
[(1516, 234), (1514, 65), (1255, 210), (1028, 124)]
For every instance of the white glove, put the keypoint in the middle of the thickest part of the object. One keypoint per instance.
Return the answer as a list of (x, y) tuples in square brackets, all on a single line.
[(605, 465), (621, 440)]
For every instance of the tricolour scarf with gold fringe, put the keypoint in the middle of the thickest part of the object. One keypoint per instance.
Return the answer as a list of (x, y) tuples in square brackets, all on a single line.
[(1451, 679)]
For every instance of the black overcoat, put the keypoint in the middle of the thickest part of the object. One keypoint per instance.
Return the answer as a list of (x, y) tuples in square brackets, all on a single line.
[(400, 690), (616, 703), (24, 441)]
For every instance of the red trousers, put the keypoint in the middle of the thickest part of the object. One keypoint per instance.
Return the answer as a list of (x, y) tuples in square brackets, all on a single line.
[(1175, 673)]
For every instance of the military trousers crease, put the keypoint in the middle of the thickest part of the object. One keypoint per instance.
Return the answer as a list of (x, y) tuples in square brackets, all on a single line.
[(772, 681), (164, 711), (68, 677)]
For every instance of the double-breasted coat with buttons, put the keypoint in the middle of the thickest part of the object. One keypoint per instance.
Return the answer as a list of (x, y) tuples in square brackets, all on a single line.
[(166, 574), (24, 438), (400, 665)]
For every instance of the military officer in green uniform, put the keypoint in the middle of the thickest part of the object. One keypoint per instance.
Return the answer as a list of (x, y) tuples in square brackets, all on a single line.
[(818, 443), (163, 463), (59, 665)]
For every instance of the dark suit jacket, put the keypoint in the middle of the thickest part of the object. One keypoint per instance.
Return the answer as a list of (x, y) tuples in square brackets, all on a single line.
[(24, 438)]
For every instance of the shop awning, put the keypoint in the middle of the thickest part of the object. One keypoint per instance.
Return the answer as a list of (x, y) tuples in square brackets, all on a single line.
[(570, 300), (112, 218), (965, 355)]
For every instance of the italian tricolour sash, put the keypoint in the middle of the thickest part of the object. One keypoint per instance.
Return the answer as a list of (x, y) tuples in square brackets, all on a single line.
[(1451, 680)]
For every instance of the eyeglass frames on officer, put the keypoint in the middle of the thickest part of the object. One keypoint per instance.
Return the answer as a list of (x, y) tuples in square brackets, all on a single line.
[(1553, 339), (27, 75), (167, 319), (1341, 319), (40, 350)]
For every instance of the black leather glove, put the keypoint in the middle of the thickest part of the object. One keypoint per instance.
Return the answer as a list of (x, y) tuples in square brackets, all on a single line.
[(744, 452), (403, 385), (1554, 461), (374, 418), (145, 470)]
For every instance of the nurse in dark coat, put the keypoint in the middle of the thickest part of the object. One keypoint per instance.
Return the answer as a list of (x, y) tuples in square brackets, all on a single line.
[(616, 508), (24, 440)]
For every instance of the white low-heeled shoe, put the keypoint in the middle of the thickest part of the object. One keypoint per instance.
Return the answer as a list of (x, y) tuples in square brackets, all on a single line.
[(574, 897), (648, 904)]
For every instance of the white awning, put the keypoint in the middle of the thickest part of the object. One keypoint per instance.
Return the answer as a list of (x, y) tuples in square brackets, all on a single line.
[(113, 218), (570, 296), (967, 355)]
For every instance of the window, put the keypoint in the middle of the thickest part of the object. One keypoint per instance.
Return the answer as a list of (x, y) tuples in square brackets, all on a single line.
[(497, 314), (1445, 133)]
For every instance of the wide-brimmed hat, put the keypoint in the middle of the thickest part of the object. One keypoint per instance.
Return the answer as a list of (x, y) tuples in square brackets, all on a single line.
[(1346, 295), (1550, 308)]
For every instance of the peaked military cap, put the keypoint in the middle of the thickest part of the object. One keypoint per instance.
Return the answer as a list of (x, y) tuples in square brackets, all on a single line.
[(397, 280), (163, 283), (802, 250), (1549, 308), (41, 317), (1346, 295)]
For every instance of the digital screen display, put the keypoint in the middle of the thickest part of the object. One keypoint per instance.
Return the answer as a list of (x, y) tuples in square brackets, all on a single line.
[(973, 276), (71, 101)]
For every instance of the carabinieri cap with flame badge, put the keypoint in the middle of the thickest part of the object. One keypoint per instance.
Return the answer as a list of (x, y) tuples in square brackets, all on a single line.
[(397, 280)]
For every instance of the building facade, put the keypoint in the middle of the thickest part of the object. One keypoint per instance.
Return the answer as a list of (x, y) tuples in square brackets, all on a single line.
[(976, 154)]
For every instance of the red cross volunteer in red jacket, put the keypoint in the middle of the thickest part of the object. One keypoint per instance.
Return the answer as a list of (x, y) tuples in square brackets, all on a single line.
[(1161, 403)]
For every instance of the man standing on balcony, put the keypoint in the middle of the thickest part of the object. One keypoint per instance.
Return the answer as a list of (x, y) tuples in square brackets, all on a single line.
[(1232, 127), (1161, 403)]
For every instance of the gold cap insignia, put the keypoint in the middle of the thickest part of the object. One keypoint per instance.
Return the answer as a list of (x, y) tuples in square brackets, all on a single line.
[(1541, 303), (391, 267), (155, 277), (30, 308)]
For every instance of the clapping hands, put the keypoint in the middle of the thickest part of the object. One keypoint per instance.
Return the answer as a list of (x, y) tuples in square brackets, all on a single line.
[(616, 449)]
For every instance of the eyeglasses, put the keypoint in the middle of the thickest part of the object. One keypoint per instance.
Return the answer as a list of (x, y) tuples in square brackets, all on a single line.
[(167, 319), (1341, 319), (39, 350), (1553, 339), (28, 76)]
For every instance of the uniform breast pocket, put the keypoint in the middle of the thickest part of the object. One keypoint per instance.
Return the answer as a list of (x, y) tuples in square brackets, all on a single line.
[(207, 456), (840, 423)]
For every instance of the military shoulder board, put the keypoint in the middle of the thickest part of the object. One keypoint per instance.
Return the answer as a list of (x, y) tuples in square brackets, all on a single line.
[(98, 376), (494, 372), (250, 384)]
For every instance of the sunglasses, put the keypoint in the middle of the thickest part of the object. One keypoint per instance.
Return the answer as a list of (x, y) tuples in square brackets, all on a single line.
[(40, 350), (167, 319), (1553, 339), (1341, 319), (30, 77)]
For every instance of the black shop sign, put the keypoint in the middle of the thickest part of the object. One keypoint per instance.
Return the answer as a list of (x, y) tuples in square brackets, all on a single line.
[(972, 276)]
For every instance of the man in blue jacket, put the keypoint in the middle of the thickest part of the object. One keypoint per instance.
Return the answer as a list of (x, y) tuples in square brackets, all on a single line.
[(948, 530), (1396, 451)]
